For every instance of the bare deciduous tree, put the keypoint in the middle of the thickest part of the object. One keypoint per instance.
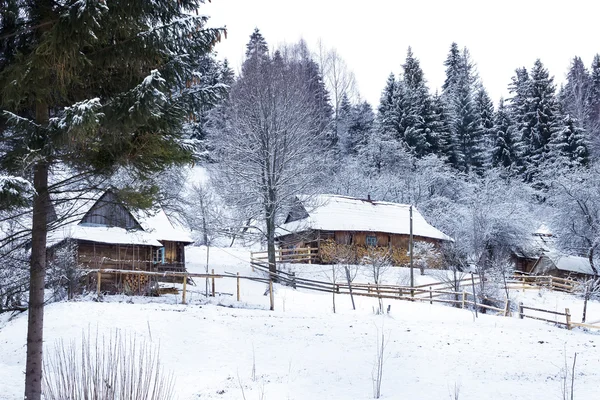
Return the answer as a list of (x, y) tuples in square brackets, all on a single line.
[(269, 154)]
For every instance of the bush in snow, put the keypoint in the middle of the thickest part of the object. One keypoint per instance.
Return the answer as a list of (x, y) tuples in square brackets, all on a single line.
[(118, 367)]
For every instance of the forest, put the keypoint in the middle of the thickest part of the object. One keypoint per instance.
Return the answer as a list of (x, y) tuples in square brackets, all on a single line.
[(133, 97)]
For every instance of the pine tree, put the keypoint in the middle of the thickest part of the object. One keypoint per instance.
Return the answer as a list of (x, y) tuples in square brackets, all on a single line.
[(575, 95), (485, 108), (466, 134), (519, 112), (386, 115), (93, 86), (569, 145), (543, 113), (360, 127), (504, 148), (594, 103), (440, 124), (454, 68), (416, 109)]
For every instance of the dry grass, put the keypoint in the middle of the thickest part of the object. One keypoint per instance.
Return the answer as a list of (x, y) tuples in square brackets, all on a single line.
[(120, 367)]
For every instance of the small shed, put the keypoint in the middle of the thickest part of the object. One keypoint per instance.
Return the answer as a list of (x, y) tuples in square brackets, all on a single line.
[(564, 266)]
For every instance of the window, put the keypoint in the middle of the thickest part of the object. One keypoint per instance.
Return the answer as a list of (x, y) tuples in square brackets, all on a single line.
[(159, 255), (371, 240)]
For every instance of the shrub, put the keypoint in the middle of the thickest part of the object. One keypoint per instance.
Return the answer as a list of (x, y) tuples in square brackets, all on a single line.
[(119, 367)]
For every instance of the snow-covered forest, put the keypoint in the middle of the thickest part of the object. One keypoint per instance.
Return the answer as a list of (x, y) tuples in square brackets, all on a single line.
[(487, 173), (132, 97)]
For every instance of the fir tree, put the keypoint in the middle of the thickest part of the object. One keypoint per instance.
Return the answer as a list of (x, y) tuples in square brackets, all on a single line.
[(416, 109), (440, 124), (485, 109), (93, 86), (594, 103), (569, 145), (519, 111), (454, 68), (575, 95), (386, 115), (360, 127), (504, 149), (543, 114)]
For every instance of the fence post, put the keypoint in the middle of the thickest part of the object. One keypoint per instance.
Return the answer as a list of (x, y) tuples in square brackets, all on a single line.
[(430, 295), (507, 307), (309, 256), (568, 316), (98, 283), (293, 274), (213, 282), (521, 313), (184, 288), (238, 286), (271, 299), (464, 298)]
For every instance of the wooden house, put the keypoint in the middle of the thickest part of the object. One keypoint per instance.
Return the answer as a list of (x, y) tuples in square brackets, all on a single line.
[(314, 222), (107, 235), (526, 256), (561, 265)]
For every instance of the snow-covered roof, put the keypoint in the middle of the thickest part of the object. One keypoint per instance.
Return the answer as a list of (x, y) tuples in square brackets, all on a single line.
[(340, 213), (160, 226), (103, 234), (543, 230), (563, 262), (155, 224)]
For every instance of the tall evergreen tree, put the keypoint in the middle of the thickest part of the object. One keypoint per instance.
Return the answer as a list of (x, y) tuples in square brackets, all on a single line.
[(575, 95), (504, 147), (454, 68), (594, 103), (569, 144), (519, 111), (543, 112), (387, 119), (93, 86), (485, 109), (416, 109)]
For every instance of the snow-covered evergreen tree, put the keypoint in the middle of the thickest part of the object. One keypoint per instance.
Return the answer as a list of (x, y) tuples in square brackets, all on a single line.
[(485, 108), (543, 114), (94, 86), (504, 147), (575, 95), (569, 144)]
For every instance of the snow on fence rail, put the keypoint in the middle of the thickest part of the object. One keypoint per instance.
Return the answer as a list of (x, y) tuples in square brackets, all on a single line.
[(525, 282)]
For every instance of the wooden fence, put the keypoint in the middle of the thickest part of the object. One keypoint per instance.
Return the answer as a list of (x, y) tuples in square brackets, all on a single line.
[(526, 282), (433, 293), (296, 255)]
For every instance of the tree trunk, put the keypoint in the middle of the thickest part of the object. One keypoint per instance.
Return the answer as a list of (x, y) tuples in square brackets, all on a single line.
[(37, 274), (591, 259), (271, 244)]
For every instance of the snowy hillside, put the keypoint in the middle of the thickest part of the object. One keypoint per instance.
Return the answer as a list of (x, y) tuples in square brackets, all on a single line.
[(304, 351)]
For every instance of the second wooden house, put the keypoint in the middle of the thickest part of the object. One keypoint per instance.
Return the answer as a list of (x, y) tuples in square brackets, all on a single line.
[(340, 226)]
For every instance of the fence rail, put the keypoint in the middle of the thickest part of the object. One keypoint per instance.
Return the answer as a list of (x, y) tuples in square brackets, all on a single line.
[(432, 293)]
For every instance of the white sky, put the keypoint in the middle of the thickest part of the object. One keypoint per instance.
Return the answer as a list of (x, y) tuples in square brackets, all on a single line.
[(372, 36)]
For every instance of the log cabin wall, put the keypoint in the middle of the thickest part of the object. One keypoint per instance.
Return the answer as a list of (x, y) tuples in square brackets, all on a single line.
[(100, 255), (383, 239)]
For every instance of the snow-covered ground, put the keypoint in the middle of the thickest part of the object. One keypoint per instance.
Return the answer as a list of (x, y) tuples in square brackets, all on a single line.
[(304, 351)]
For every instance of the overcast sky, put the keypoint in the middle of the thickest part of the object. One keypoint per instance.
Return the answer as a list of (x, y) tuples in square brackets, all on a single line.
[(372, 36)]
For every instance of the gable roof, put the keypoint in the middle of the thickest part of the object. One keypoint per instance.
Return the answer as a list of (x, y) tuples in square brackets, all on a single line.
[(139, 227), (563, 262), (341, 213)]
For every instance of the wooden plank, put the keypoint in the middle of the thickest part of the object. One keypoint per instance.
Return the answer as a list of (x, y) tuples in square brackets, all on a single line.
[(576, 324), (542, 310), (184, 289)]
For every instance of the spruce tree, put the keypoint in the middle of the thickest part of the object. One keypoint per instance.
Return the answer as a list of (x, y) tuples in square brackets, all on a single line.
[(416, 109), (575, 95), (519, 112), (594, 102), (504, 147), (360, 127), (454, 68), (569, 145), (485, 108), (387, 120), (543, 114), (92, 86)]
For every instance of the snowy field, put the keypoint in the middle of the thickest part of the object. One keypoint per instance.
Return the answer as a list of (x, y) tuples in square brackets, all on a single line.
[(304, 351)]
